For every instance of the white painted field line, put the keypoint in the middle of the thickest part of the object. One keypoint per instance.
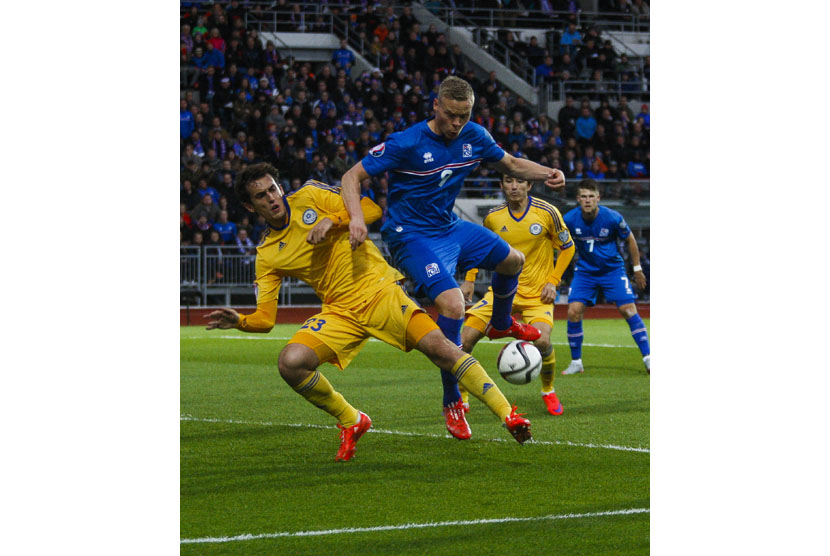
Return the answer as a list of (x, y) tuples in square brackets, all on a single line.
[(249, 537), (283, 338), (424, 435)]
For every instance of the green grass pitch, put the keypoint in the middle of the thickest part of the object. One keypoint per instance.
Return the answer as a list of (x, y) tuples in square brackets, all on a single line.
[(257, 459)]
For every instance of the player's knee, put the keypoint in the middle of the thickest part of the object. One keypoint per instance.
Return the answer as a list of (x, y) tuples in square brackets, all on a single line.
[(439, 350), (512, 264), (574, 314), (544, 346), (628, 311), (293, 364), (451, 306)]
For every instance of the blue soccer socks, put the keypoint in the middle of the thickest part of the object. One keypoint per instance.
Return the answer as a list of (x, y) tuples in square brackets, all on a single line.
[(504, 290), (639, 333), (452, 330), (575, 337)]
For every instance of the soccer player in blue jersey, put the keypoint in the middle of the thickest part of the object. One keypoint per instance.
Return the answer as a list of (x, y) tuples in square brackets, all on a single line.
[(427, 164), (595, 230)]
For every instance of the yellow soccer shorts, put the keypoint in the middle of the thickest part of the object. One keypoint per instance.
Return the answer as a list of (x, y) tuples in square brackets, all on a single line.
[(530, 308), (337, 334)]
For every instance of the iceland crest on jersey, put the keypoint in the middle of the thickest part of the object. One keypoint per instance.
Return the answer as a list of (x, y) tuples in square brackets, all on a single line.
[(603, 232), (378, 150), (309, 216), (432, 269), (466, 150), (428, 158)]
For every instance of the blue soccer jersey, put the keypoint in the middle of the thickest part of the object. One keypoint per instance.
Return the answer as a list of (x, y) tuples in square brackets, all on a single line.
[(596, 242), (426, 174)]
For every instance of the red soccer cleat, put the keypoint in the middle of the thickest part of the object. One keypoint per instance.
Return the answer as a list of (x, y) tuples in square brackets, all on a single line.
[(518, 330), (553, 403), (350, 436), (518, 426), (456, 422)]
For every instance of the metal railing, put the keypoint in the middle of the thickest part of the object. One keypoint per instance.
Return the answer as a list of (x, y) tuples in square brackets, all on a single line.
[(270, 21), (206, 270), (482, 16), (513, 61), (596, 90)]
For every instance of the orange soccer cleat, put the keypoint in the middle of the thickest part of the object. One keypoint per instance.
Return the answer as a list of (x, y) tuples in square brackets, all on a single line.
[(518, 426), (518, 330), (350, 436), (456, 422), (553, 403)]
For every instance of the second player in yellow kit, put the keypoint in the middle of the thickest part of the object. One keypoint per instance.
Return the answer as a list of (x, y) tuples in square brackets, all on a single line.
[(308, 239), (536, 228)]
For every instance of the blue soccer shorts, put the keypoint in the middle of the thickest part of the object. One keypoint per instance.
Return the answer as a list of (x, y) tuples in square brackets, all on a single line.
[(431, 261), (615, 286)]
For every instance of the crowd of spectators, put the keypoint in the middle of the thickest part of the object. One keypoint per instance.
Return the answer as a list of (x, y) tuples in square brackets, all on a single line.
[(244, 102)]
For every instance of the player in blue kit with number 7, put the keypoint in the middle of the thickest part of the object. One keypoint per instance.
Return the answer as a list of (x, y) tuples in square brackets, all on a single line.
[(595, 231), (426, 165)]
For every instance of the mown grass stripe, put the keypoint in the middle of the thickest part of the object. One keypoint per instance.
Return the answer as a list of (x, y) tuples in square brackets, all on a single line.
[(418, 434), (250, 537)]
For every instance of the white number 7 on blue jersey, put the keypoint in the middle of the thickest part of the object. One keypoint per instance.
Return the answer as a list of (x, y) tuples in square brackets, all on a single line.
[(445, 175), (627, 284)]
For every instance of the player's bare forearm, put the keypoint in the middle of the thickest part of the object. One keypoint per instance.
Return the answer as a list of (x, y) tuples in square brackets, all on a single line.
[(633, 250), (350, 191), (467, 289), (634, 253), (531, 171)]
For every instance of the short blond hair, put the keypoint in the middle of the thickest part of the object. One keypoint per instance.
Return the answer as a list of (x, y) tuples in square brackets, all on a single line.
[(455, 88)]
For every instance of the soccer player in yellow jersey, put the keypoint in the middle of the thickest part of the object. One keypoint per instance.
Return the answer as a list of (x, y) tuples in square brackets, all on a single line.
[(308, 238), (535, 228)]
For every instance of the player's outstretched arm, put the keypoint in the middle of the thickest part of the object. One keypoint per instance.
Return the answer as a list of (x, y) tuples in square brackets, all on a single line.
[(350, 191), (531, 171), (562, 261), (224, 319), (468, 287), (634, 251), (262, 320)]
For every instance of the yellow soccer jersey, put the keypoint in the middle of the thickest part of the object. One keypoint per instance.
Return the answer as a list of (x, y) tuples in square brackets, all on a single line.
[(536, 233), (340, 277)]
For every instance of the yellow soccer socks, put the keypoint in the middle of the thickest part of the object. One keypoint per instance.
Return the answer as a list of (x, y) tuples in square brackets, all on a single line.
[(548, 366), (319, 391), (475, 380)]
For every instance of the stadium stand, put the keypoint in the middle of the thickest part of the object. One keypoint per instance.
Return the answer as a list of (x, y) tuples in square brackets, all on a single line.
[(310, 87)]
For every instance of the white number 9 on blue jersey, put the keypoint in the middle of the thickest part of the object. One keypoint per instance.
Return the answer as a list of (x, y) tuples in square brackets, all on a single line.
[(445, 175)]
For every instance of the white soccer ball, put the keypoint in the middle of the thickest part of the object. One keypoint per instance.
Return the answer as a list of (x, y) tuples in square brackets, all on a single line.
[(519, 362)]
